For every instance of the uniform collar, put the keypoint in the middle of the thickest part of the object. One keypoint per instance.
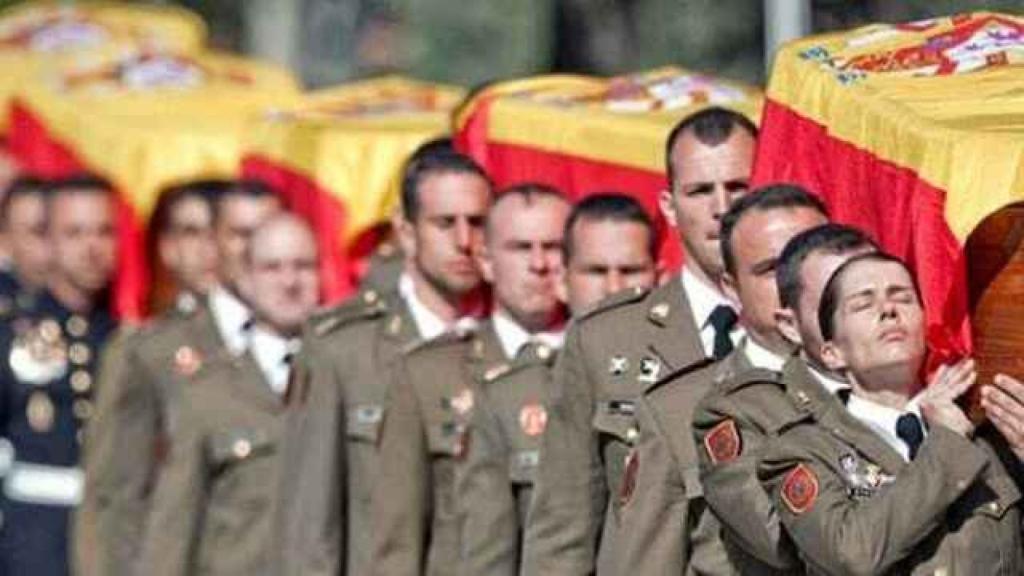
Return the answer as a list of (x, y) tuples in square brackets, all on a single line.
[(513, 337), (882, 420), (273, 354), (232, 318), (761, 357), (428, 324), (833, 385), (704, 298)]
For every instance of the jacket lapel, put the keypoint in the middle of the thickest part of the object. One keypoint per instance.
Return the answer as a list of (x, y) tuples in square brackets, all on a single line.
[(673, 336), (249, 381)]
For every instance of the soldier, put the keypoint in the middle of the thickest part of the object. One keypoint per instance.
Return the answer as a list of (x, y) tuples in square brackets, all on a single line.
[(610, 245), (211, 511), (339, 402), (415, 520), (868, 489), (46, 380), (146, 370), (23, 224), (631, 341), (669, 527)]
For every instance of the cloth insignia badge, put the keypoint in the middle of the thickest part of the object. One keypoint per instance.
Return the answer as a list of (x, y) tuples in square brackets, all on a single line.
[(723, 442), (800, 489), (629, 478), (533, 418)]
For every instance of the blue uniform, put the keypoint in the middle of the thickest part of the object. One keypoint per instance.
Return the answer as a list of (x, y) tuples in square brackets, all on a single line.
[(48, 359)]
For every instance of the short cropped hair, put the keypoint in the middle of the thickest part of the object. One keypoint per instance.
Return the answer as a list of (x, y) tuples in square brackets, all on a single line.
[(828, 238), (772, 197), (433, 161), (830, 295), (223, 190), (529, 192), (608, 207), (711, 126)]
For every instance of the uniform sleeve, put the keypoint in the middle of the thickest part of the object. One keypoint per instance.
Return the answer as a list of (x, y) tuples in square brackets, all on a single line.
[(841, 535), (310, 506), (120, 462), (569, 496), (400, 507), (179, 503), (486, 505), (731, 487)]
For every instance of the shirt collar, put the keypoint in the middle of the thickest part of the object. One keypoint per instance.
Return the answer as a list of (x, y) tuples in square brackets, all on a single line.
[(232, 317), (273, 354), (832, 384), (882, 420), (762, 357), (703, 297), (513, 337), (428, 324)]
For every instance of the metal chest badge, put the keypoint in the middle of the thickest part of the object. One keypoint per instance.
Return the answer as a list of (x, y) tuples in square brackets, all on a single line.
[(533, 418), (650, 368), (40, 354)]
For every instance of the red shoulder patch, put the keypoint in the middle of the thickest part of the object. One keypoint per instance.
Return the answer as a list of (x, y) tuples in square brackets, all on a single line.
[(723, 442), (800, 489)]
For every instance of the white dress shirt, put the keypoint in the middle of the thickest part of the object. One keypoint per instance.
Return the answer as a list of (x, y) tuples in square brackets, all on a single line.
[(513, 337), (882, 420), (428, 324), (704, 298), (273, 354), (761, 357), (832, 384), (232, 317)]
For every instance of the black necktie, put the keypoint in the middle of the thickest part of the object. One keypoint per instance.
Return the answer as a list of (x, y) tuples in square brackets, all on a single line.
[(722, 319), (909, 429)]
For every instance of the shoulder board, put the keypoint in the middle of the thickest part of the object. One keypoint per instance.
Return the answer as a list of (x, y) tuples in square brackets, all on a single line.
[(706, 364), (614, 301), (729, 381), (365, 306), (497, 372)]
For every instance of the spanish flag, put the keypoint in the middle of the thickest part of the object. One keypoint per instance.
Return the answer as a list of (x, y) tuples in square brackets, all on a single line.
[(145, 121), (585, 134), (36, 36), (913, 132), (337, 159)]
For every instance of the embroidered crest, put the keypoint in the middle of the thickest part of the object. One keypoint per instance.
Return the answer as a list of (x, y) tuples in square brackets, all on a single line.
[(800, 489), (187, 361), (533, 418), (629, 473), (723, 442), (618, 365)]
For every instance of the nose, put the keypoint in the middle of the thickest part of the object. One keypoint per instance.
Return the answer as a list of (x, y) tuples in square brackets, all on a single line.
[(538, 259), (889, 310), (463, 235), (613, 282), (721, 200)]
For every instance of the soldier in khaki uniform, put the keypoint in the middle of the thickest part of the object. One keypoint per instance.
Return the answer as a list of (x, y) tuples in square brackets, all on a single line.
[(342, 376), (147, 368), (612, 353), (669, 527), (739, 414), (426, 433), (609, 247), (211, 511), (868, 489)]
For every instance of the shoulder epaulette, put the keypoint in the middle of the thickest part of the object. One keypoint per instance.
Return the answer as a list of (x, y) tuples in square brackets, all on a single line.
[(729, 381), (495, 372), (614, 301), (369, 304)]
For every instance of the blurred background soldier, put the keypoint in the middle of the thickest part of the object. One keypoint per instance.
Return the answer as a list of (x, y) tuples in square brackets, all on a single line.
[(46, 379), (339, 401), (425, 435), (609, 246), (23, 225), (211, 511), (146, 370)]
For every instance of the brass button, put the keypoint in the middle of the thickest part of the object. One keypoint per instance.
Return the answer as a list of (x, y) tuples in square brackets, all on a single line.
[(543, 352), (632, 434), (81, 381), (79, 353), (77, 326), (803, 397), (994, 507), (370, 297), (82, 409), (242, 448), (961, 485)]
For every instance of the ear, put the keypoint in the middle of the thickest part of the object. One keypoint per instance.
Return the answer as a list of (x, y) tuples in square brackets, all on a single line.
[(667, 206), (484, 263), (785, 323), (405, 233), (731, 290), (833, 357)]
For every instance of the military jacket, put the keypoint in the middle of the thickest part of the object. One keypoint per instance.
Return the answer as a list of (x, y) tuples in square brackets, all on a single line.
[(332, 433), (211, 511), (610, 355), (852, 505), (425, 434), (46, 388), (495, 481), (139, 387), (731, 426)]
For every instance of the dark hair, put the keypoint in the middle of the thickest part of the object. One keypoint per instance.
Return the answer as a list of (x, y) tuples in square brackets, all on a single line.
[(529, 192), (88, 183), (830, 295), (711, 126), (608, 207), (21, 187), (775, 196), (435, 160), (223, 190), (829, 239), (207, 191)]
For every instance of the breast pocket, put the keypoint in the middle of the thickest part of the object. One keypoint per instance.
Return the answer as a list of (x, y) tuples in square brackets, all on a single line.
[(616, 428), (363, 423), (237, 446), (522, 467)]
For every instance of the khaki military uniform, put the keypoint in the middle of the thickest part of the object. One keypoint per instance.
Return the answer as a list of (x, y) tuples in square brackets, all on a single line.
[(610, 355), (737, 418), (852, 505), (415, 527), (211, 511), (141, 379), (332, 435), (494, 484)]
